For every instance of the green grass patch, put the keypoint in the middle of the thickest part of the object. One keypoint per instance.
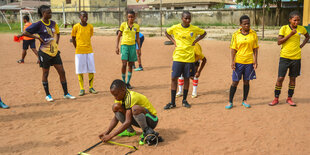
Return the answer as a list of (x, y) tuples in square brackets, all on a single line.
[(4, 28)]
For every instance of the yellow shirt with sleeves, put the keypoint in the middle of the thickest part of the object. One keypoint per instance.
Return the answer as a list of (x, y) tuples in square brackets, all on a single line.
[(198, 52), (184, 37), (83, 36), (129, 34), (244, 45), (291, 48), (133, 98)]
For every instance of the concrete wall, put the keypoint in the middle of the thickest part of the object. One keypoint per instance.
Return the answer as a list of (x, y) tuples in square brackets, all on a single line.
[(151, 18)]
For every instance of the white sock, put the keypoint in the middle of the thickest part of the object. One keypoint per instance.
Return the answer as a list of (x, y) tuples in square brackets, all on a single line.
[(195, 85)]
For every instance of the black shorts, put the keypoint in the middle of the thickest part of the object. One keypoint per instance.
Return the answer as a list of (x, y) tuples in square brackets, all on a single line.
[(27, 43), (293, 65), (151, 120), (46, 60), (182, 68)]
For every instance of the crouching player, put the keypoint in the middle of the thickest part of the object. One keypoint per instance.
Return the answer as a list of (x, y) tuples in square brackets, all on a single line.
[(198, 57), (131, 108)]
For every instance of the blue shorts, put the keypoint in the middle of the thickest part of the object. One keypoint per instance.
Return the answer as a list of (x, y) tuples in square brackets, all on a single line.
[(182, 68), (245, 70), (141, 42)]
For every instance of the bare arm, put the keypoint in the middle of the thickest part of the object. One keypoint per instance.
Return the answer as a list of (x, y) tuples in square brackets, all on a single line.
[(138, 40), (305, 41), (27, 34), (255, 51), (74, 41), (204, 61), (233, 55), (282, 39), (170, 38), (117, 41), (199, 38), (57, 38)]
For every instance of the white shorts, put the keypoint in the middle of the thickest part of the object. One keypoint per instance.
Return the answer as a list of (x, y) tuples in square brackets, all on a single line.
[(84, 63)]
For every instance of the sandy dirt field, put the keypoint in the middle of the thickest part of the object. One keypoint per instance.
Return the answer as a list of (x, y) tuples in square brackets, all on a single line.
[(33, 126)]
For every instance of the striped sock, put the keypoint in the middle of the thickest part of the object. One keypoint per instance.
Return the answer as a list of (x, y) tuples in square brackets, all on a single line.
[(277, 91), (124, 77), (291, 90), (129, 77)]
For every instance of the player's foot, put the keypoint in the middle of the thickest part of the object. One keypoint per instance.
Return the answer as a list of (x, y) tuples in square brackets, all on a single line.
[(179, 94), (4, 106), (49, 98), (93, 91), (126, 133), (169, 106), (68, 96), (128, 86), (246, 105), (274, 102), (229, 106), (290, 102), (194, 95), (141, 141), (82, 92), (139, 69), (134, 66), (20, 61), (185, 104)]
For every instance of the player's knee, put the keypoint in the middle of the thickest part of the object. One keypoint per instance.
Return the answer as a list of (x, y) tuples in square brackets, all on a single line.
[(280, 79), (246, 82), (235, 83), (116, 107), (136, 110), (45, 74)]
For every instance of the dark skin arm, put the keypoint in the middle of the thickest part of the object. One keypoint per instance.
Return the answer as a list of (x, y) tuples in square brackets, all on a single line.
[(305, 41), (74, 41), (27, 34), (171, 38), (282, 39), (204, 60), (113, 124), (138, 41), (255, 51), (233, 55), (57, 38), (122, 128), (199, 38), (117, 41)]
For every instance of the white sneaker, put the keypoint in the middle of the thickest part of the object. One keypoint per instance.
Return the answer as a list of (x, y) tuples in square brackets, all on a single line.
[(194, 95), (68, 96), (179, 94), (49, 98)]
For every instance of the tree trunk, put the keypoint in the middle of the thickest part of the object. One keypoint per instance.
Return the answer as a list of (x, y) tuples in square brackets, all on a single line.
[(255, 12), (278, 12)]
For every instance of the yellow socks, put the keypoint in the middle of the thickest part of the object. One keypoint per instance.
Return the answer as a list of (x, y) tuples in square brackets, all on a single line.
[(81, 81), (91, 80)]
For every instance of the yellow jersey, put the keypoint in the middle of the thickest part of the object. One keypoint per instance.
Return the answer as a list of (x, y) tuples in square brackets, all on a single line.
[(291, 48), (133, 98), (198, 52), (129, 34), (244, 45), (83, 36), (184, 37)]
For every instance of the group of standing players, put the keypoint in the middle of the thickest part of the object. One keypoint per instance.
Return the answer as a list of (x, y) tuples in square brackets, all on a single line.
[(132, 108)]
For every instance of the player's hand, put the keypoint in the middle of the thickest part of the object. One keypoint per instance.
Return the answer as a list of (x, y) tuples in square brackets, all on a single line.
[(255, 65), (106, 138), (40, 39), (294, 31), (197, 74), (117, 51), (18, 36), (233, 65)]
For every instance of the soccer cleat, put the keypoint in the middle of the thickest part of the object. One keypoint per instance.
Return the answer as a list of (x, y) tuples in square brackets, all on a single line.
[(194, 95), (49, 98), (274, 102), (82, 92), (139, 69), (68, 96), (141, 141), (93, 91), (290, 102), (246, 105), (4, 106), (20, 61), (185, 104), (179, 94), (169, 106), (126, 133), (128, 86), (229, 106)]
